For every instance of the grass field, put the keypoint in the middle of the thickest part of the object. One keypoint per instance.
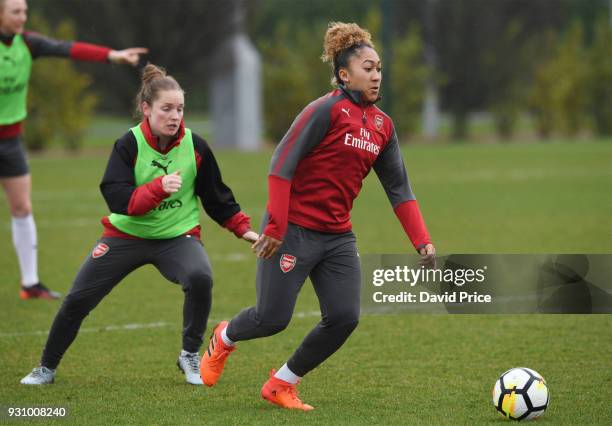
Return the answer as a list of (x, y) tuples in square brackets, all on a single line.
[(395, 369)]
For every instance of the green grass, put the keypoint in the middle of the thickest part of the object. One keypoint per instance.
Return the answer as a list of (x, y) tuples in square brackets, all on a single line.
[(395, 369)]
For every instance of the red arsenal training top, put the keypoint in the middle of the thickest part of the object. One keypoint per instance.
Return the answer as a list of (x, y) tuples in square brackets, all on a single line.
[(318, 168)]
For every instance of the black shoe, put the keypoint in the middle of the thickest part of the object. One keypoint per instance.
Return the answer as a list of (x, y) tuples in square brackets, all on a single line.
[(38, 291)]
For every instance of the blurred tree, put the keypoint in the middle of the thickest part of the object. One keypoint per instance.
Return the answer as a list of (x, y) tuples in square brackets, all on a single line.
[(409, 74), (588, 12), (293, 76), (312, 13), (182, 36), (460, 46), (476, 41), (482, 53), (408, 85), (506, 74), (60, 106), (559, 97), (541, 94), (599, 81)]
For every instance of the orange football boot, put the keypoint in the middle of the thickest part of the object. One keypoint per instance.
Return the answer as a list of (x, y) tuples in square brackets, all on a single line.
[(213, 360), (283, 394)]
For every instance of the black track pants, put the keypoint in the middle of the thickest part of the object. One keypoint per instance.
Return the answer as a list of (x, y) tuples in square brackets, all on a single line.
[(332, 262), (181, 260)]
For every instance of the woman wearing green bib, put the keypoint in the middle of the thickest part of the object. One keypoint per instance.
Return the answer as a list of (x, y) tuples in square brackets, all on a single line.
[(155, 174), (18, 48)]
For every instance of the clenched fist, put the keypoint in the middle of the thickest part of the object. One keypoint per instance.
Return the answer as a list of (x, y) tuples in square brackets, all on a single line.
[(172, 183)]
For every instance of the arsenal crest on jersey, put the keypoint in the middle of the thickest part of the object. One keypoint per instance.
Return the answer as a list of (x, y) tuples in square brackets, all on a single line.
[(100, 250), (287, 262), (378, 120)]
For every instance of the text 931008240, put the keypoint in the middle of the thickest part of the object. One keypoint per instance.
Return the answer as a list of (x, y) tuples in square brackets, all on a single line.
[(15, 412)]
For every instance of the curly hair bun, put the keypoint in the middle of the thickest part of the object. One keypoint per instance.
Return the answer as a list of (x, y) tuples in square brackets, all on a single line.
[(340, 36)]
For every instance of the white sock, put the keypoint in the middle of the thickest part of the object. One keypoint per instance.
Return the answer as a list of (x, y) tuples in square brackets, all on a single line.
[(287, 375), (226, 340), (24, 240)]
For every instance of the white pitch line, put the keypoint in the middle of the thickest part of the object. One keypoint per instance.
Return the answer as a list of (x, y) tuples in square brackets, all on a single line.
[(307, 314), (124, 327), (133, 326), (163, 324)]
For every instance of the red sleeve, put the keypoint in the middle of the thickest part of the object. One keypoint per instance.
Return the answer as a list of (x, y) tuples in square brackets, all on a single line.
[(239, 224), (278, 207), (89, 52), (198, 158), (412, 221), (146, 197)]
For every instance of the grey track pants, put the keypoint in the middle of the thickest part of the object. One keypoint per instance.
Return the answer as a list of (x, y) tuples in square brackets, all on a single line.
[(332, 262), (181, 260)]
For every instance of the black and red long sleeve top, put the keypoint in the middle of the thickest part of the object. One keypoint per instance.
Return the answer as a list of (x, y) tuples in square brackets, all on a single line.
[(122, 196), (41, 46), (318, 168)]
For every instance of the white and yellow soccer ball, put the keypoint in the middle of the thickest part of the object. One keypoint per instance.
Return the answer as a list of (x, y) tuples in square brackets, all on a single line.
[(521, 394)]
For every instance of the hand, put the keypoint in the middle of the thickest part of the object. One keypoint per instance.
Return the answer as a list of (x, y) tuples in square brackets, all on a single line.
[(129, 56), (428, 256), (172, 183), (250, 236), (266, 246)]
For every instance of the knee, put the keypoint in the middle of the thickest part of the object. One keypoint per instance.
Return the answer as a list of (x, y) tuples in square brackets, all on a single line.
[(198, 282), (272, 324), (350, 327), (345, 328), (347, 321), (75, 307), (271, 329), (21, 208)]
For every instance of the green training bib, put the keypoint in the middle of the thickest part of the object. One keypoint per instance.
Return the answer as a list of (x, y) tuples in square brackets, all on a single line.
[(15, 67), (178, 213)]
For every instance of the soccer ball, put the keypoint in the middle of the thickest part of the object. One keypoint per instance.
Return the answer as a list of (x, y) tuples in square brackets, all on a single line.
[(521, 394)]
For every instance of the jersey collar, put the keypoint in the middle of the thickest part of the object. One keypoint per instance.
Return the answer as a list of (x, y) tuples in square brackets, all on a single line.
[(7, 39), (355, 96), (152, 140)]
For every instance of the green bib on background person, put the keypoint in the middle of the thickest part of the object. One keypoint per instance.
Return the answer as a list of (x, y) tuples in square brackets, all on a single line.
[(176, 214), (15, 67)]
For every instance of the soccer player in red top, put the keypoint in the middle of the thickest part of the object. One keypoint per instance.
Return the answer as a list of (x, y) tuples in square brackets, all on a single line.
[(17, 50), (315, 174)]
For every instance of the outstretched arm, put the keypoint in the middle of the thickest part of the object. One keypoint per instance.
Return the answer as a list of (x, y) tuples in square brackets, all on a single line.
[(129, 56), (41, 45), (217, 198)]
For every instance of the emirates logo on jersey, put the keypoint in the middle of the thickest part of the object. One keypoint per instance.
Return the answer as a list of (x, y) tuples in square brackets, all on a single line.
[(362, 142), (100, 250), (287, 262), (379, 121)]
